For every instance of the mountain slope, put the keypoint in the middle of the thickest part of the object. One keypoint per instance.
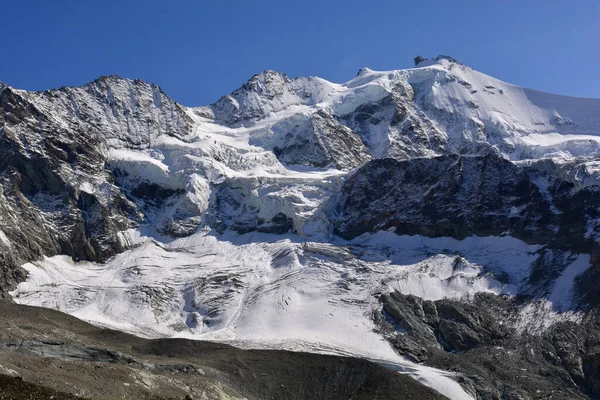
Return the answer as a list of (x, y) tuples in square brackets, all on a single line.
[(265, 219), (60, 352)]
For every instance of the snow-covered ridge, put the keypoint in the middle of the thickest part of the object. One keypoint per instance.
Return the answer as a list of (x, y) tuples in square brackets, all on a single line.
[(285, 130), (462, 108)]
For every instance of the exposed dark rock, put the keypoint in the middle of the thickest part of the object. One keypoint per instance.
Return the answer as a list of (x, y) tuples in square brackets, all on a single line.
[(460, 196), (425, 326), (415, 319), (418, 60), (279, 224), (56, 194), (493, 360), (321, 141), (43, 208)]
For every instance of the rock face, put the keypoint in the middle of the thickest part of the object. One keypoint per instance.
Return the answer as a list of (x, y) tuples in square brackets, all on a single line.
[(263, 94), (427, 326), (321, 141), (461, 196), (59, 195), (47, 173), (496, 362)]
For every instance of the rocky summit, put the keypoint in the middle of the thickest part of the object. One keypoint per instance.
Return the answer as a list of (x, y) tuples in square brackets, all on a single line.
[(434, 231)]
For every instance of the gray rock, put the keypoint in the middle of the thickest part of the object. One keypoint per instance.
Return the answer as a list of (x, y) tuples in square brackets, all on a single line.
[(494, 361), (477, 195), (418, 60), (321, 141), (57, 195)]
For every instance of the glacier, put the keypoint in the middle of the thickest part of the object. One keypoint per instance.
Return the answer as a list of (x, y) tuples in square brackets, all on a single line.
[(237, 203)]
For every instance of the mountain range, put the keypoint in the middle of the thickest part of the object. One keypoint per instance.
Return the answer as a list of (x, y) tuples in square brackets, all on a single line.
[(434, 220)]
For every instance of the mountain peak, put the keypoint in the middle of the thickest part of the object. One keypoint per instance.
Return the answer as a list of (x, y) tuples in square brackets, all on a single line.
[(266, 75), (111, 78), (364, 71), (425, 62)]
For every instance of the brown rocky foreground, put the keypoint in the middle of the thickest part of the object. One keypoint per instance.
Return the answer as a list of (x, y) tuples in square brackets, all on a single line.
[(45, 354)]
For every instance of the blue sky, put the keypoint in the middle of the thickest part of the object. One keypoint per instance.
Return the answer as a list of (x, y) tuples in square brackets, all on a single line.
[(198, 51)]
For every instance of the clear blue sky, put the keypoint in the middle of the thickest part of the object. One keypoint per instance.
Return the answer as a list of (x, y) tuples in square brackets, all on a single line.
[(198, 51)]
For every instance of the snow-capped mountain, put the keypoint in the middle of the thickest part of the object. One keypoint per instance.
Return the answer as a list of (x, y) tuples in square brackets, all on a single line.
[(279, 217)]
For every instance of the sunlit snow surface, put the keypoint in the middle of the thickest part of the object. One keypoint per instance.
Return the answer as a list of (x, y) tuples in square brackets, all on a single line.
[(262, 291)]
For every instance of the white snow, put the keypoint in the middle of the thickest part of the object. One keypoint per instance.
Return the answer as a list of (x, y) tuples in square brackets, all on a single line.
[(4, 240), (470, 106), (514, 112), (464, 105), (253, 295), (562, 290)]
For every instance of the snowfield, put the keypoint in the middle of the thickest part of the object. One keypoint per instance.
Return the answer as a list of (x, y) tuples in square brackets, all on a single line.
[(262, 291)]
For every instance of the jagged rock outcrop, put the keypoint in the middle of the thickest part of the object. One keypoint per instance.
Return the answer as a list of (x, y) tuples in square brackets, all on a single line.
[(461, 196), (263, 94), (496, 362), (58, 195), (318, 140), (426, 326), (418, 59), (47, 173)]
